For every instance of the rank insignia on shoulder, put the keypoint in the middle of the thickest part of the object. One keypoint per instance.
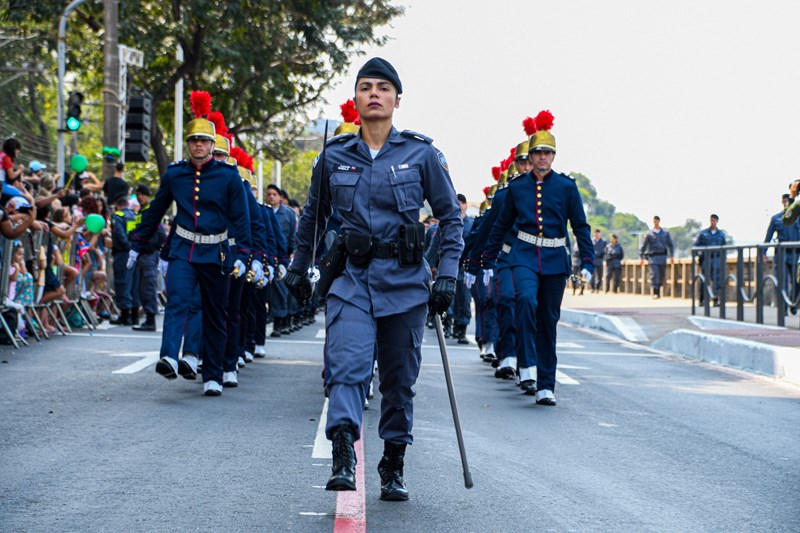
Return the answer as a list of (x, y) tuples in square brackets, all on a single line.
[(347, 168), (341, 137), (176, 163), (442, 161), (415, 135)]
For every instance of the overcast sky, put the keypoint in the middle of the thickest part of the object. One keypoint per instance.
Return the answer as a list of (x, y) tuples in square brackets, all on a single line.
[(679, 108)]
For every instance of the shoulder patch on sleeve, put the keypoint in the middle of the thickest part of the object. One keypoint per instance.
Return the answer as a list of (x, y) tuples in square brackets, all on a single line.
[(339, 138), (414, 135)]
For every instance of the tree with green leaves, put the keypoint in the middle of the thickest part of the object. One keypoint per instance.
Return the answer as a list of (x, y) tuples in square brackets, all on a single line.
[(265, 63)]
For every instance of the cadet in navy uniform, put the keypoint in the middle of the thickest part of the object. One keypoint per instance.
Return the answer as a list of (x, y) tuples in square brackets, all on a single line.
[(712, 236), (209, 198), (540, 253), (377, 181), (279, 297), (656, 248), (122, 222)]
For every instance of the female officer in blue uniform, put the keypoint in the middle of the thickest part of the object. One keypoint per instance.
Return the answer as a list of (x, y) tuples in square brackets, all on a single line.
[(540, 203), (377, 181)]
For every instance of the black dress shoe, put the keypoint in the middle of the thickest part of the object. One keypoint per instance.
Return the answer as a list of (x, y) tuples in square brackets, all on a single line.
[(528, 386), (165, 368), (393, 488), (144, 327), (505, 373), (343, 472)]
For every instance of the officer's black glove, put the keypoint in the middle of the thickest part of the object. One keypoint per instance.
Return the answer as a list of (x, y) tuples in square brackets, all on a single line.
[(443, 292), (299, 285)]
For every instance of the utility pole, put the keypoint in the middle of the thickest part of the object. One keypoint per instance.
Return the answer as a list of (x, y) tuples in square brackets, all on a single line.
[(111, 100)]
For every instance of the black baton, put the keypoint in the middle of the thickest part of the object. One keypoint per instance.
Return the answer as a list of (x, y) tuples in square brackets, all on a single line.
[(452, 393)]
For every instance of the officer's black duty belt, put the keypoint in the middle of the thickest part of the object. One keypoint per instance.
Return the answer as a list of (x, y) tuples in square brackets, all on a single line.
[(201, 239), (384, 250)]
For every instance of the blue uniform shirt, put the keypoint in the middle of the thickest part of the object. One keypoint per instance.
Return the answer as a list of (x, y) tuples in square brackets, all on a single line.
[(477, 259), (376, 197), (785, 233), (543, 209), (288, 223), (707, 237), (209, 198), (281, 253)]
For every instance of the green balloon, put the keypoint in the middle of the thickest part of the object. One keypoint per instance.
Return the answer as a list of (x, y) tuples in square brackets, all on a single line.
[(95, 223), (78, 163)]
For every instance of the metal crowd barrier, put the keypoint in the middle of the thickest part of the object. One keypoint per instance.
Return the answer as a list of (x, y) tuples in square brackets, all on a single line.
[(750, 282)]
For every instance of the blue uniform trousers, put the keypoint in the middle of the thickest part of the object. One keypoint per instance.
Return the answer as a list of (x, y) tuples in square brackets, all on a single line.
[(351, 338), (461, 304), (279, 299), (485, 299), (146, 283), (478, 292), (538, 308), (123, 279), (232, 353), (260, 330), (506, 346), (247, 319), (193, 327), (183, 281)]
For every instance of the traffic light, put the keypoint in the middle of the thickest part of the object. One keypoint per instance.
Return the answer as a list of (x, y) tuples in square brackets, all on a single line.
[(138, 122), (74, 111)]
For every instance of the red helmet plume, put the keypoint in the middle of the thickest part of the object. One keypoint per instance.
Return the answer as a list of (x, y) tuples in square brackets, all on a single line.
[(239, 155), (349, 113), (544, 120), (201, 103), (486, 191), (496, 173), (218, 120), (529, 124)]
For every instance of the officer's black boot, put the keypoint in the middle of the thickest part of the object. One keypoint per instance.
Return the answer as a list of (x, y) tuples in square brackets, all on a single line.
[(462, 335), (133, 319), (123, 318), (285, 325), (448, 328), (343, 473), (393, 488), (297, 322), (276, 327), (149, 324)]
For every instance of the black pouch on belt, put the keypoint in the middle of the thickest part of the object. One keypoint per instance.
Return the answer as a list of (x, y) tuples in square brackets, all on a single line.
[(331, 265), (359, 248), (410, 244)]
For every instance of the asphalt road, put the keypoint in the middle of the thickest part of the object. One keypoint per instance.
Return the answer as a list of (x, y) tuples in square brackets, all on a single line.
[(91, 439)]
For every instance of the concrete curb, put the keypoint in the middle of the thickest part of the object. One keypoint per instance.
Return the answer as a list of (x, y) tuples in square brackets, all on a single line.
[(621, 326), (780, 362)]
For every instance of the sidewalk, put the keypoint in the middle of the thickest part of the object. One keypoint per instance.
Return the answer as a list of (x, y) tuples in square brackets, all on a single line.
[(667, 324)]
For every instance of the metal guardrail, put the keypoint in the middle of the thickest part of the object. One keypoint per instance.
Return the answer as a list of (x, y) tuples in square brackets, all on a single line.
[(756, 278)]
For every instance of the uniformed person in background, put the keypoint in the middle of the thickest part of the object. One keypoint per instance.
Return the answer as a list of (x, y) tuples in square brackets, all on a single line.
[(712, 236), (541, 203), (122, 222), (657, 248), (377, 180), (280, 303), (209, 199), (599, 248), (146, 271), (786, 227), (613, 256)]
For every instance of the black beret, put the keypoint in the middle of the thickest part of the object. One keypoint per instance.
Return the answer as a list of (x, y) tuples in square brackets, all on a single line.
[(380, 68)]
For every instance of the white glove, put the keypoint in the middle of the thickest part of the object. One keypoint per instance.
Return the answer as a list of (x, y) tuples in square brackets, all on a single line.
[(586, 275), (258, 270), (238, 269), (487, 276), (469, 279), (281, 271), (271, 270), (132, 257)]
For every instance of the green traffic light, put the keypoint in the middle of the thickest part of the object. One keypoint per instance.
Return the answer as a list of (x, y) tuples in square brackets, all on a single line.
[(73, 124)]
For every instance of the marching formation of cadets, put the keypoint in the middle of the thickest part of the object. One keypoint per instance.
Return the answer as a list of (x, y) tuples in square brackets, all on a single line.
[(382, 273)]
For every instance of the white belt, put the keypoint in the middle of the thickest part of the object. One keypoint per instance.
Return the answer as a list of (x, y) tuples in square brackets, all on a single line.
[(506, 248), (542, 242), (201, 239)]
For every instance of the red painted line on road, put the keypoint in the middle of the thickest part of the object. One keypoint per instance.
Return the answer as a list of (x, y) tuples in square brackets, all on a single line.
[(351, 510)]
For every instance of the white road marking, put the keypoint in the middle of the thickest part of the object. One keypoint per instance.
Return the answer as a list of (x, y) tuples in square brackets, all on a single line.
[(625, 354), (322, 448), (568, 345), (575, 367), (313, 514), (605, 425), (113, 336), (565, 379), (147, 359), (320, 334)]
